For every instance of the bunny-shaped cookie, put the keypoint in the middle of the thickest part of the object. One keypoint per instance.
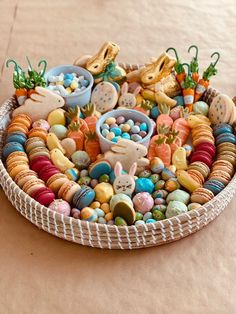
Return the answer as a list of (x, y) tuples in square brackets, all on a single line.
[(128, 100), (40, 104), (127, 152), (124, 183)]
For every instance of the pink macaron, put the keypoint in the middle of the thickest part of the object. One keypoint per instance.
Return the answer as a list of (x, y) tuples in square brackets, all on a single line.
[(44, 196), (39, 162), (47, 172)]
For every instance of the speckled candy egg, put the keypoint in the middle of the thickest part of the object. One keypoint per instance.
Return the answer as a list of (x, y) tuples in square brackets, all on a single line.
[(80, 159), (159, 185), (161, 208), (75, 213), (154, 112), (144, 185), (160, 194), (89, 214), (175, 208), (192, 206), (158, 215), (154, 177), (41, 123), (156, 165), (145, 174), (159, 201), (59, 130), (178, 195), (175, 113), (188, 149), (200, 107), (143, 202), (172, 184), (119, 221), (61, 207), (167, 174), (69, 146)]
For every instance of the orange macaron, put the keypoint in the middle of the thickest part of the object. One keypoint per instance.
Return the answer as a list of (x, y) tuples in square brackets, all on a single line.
[(56, 181), (23, 119), (38, 132), (24, 176), (16, 126), (68, 190)]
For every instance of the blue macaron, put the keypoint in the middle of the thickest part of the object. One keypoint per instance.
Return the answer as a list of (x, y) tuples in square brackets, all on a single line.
[(226, 137), (18, 137), (99, 168), (222, 128), (214, 186), (83, 197), (10, 148)]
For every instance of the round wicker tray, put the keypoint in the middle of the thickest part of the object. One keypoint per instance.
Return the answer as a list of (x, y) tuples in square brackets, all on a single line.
[(108, 236)]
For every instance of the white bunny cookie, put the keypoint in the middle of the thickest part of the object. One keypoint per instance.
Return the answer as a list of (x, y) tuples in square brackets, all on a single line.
[(127, 152), (40, 104), (221, 109), (128, 100), (124, 183), (104, 97)]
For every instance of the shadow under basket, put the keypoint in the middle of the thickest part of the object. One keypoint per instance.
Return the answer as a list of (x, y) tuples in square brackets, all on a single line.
[(109, 236)]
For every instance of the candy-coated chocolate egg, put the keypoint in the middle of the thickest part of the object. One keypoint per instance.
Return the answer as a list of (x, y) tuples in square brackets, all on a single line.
[(175, 113), (84, 173), (154, 113), (192, 206), (72, 174), (61, 207), (120, 120), (105, 126), (160, 201), (167, 174), (119, 221), (41, 123), (110, 120), (188, 149), (93, 183), (139, 222), (135, 129), (180, 100), (158, 215), (125, 135), (130, 123), (109, 216), (161, 208), (160, 194), (126, 127), (201, 107), (154, 177), (105, 207), (144, 185), (159, 185), (75, 213), (100, 212), (104, 178), (143, 202), (60, 131), (95, 205), (74, 85), (156, 165), (145, 173), (138, 216), (172, 184), (110, 136), (150, 221), (84, 180), (102, 220), (80, 159), (89, 214), (147, 215)]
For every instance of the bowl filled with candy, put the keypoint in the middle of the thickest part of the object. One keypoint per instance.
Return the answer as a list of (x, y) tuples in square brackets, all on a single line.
[(147, 159), (126, 124), (73, 83)]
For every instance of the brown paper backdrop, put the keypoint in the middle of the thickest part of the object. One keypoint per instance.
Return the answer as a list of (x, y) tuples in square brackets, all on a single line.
[(43, 274)]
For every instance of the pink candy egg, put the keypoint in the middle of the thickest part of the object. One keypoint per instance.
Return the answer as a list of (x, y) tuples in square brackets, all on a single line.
[(143, 202), (41, 123), (61, 207)]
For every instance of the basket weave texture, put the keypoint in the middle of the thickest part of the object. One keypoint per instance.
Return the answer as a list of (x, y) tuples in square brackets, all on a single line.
[(109, 236)]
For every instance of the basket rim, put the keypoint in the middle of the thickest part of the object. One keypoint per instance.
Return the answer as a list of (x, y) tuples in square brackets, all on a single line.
[(169, 222)]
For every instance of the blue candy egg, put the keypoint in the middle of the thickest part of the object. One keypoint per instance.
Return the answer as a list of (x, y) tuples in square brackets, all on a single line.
[(105, 132), (115, 139), (154, 112), (116, 131), (180, 100), (85, 83), (67, 82), (68, 76), (143, 127), (150, 221), (126, 136), (144, 185)]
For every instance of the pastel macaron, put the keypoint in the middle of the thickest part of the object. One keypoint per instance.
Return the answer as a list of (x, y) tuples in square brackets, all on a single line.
[(223, 165), (16, 167), (208, 147), (56, 181), (12, 147), (18, 137), (48, 171), (83, 197), (38, 132), (215, 186), (221, 176), (39, 162), (201, 196), (23, 119), (43, 195), (203, 156), (34, 142), (32, 185), (222, 128), (39, 151), (16, 156), (23, 176), (68, 190), (226, 137), (17, 127), (201, 167)]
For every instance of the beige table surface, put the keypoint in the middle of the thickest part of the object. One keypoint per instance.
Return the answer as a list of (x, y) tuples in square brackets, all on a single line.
[(40, 273)]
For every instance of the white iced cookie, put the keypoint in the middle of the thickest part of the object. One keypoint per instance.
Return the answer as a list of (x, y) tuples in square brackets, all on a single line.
[(104, 97), (221, 109), (128, 100)]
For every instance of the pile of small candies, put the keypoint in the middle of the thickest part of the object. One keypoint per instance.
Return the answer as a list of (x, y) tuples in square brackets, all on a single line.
[(115, 128), (67, 84)]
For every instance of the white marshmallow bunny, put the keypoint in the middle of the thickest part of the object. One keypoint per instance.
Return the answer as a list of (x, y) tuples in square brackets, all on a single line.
[(124, 183), (128, 100)]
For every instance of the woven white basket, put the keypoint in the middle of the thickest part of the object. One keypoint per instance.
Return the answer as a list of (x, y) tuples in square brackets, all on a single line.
[(108, 236)]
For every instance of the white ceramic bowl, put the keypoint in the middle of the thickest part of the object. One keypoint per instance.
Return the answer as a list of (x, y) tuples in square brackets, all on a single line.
[(128, 114), (83, 97)]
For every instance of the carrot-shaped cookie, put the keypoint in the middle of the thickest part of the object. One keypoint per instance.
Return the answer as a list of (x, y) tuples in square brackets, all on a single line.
[(205, 81), (179, 69), (194, 64)]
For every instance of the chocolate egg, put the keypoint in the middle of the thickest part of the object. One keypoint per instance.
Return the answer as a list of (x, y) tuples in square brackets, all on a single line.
[(89, 214), (167, 174), (158, 215), (161, 208), (172, 184), (156, 165)]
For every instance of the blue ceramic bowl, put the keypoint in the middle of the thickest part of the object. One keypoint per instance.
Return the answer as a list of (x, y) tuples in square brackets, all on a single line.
[(82, 98), (128, 114)]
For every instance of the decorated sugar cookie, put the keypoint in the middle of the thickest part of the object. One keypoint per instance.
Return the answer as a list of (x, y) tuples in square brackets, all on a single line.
[(128, 100), (104, 96), (124, 183), (221, 109)]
